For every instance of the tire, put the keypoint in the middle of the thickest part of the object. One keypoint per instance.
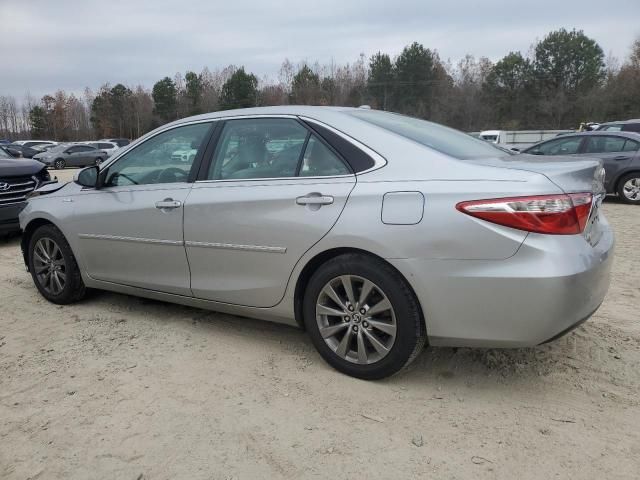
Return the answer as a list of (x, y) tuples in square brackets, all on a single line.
[(99, 161), (629, 188), (59, 164), (67, 273), (320, 310)]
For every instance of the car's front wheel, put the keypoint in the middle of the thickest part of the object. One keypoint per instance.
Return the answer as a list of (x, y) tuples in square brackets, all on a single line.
[(59, 164), (629, 188), (53, 267), (363, 317)]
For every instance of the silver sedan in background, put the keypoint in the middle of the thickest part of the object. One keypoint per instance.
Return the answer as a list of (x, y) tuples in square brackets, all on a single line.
[(72, 155), (376, 232)]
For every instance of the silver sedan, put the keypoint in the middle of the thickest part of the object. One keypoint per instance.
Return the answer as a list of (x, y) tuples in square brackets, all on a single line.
[(376, 232)]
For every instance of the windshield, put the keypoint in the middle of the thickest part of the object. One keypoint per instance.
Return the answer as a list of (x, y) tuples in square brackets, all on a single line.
[(438, 137)]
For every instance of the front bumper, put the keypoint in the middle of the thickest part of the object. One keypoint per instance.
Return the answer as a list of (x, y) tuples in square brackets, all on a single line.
[(9, 217), (548, 287)]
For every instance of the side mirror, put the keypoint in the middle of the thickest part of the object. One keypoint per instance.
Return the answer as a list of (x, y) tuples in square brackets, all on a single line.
[(87, 177)]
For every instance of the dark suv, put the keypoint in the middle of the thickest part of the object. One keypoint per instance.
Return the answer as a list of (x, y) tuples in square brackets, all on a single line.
[(619, 152), (18, 178), (624, 126)]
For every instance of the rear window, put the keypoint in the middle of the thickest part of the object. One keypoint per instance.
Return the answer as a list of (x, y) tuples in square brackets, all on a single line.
[(631, 127), (611, 128), (438, 137)]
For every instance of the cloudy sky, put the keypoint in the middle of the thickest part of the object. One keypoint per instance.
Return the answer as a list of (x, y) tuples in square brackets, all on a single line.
[(50, 44)]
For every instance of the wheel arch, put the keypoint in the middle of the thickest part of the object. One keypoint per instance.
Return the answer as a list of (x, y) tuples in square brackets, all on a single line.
[(616, 185), (318, 260), (31, 227)]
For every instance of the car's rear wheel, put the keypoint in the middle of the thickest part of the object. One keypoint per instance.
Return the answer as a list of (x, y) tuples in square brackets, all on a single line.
[(53, 267), (629, 188), (363, 317), (59, 164)]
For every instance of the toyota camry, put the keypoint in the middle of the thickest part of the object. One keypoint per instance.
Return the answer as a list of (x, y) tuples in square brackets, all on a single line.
[(376, 232)]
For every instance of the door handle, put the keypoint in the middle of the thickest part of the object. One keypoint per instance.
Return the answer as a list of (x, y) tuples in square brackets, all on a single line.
[(168, 204), (316, 199), (621, 157)]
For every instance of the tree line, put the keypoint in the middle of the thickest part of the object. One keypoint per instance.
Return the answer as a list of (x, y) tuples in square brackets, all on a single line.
[(562, 81)]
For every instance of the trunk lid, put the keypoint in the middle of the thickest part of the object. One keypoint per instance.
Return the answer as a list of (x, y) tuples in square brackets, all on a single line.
[(571, 174)]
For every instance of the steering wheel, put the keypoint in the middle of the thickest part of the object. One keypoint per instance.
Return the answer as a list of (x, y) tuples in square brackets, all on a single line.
[(172, 175)]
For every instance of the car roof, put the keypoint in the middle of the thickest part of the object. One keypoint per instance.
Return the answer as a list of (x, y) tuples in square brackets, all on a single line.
[(600, 133), (621, 122), (299, 110)]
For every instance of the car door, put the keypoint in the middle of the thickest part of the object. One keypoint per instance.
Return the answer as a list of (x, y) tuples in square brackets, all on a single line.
[(130, 229), (74, 156), (616, 153), (87, 156), (272, 190)]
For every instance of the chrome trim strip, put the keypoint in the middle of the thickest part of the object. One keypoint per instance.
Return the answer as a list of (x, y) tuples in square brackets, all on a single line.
[(9, 191), (30, 182), (116, 238), (233, 246), (270, 179), (19, 198), (378, 160)]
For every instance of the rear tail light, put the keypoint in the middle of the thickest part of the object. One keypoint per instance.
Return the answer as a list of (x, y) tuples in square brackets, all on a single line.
[(565, 214)]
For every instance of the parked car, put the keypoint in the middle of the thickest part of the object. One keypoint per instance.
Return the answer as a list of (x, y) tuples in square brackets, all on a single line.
[(121, 142), (20, 150), (619, 152), (624, 126), (71, 155), (8, 151), (45, 147), (106, 147), (31, 143), (377, 232), (516, 140), (17, 179)]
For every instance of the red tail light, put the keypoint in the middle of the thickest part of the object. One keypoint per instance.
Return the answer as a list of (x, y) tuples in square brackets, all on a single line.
[(565, 214)]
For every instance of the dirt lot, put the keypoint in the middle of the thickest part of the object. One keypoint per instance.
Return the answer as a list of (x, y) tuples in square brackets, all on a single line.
[(119, 387)]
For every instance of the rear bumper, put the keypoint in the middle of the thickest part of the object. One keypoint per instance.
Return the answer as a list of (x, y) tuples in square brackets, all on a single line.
[(9, 217), (551, 285)]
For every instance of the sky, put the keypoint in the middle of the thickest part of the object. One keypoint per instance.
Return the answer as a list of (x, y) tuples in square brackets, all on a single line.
[(71, 44)]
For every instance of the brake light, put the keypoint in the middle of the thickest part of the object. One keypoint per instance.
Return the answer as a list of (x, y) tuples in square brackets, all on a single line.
[(564, 214)]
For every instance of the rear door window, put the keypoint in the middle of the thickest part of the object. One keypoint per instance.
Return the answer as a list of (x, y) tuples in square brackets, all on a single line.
[(560, 146), (631, 146), (84, 148), (258, 148), (601, 144), (320, 161)]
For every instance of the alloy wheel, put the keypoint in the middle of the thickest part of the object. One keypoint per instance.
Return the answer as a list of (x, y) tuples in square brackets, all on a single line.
[(631, 189), (356, 319), (50, 266)]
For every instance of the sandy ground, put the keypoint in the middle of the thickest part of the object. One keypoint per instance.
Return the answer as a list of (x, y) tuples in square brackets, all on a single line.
[(119, 387)]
